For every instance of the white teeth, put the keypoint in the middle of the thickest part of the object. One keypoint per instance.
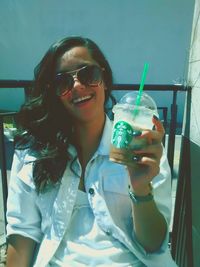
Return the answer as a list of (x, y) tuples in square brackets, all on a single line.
[(80, 99)]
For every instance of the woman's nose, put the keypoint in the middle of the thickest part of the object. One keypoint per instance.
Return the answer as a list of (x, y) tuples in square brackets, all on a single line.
[(77, 83)]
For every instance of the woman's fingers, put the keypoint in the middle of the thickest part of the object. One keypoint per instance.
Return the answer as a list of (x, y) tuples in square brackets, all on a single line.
[(158, 125), (147, 157), (143, 172), (153, 136), (154, 150)]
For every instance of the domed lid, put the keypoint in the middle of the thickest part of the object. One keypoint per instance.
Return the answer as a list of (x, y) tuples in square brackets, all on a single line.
[(145, 100)]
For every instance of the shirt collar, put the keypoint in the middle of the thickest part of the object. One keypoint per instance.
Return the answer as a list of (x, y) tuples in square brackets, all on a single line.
[(104, 146)]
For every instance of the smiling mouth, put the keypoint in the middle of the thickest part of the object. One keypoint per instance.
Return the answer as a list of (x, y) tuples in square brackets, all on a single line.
[(82, 100)]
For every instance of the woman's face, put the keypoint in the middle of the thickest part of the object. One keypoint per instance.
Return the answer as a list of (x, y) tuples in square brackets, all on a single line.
[(83, 102)]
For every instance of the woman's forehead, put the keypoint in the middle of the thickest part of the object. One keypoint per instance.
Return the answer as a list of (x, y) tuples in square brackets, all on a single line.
[(74, 58)]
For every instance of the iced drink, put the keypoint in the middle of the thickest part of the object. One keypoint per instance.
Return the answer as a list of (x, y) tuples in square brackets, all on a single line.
[(128, 121)]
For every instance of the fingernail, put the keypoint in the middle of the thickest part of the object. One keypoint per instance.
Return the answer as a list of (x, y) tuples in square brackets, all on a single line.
[(136, 158), (137, 133), (155, 117)]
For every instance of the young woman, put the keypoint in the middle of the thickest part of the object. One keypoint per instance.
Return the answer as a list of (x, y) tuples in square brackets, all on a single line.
[(69, 205)]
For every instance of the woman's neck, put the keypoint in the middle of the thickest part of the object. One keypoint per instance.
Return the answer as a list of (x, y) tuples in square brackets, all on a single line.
[(87, 137)]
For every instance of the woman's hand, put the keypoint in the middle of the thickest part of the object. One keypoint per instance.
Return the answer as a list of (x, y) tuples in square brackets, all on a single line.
[(147, 159)]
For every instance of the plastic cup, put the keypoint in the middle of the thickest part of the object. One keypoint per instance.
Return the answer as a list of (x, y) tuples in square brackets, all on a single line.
[(128, 124)]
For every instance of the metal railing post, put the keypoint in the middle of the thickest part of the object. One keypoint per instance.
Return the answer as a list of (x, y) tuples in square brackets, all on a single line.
[(3, 167), (172, 131)]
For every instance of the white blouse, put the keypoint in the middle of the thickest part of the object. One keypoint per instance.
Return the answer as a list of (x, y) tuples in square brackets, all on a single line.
[(85, 244), (47, 217)]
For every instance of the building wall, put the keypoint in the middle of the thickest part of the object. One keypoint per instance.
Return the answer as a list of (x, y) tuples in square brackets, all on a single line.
[(193, 135), (194, 77)]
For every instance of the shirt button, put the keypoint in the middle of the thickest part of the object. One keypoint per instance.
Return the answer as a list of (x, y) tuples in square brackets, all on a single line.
[(108, 232), (91, 191)]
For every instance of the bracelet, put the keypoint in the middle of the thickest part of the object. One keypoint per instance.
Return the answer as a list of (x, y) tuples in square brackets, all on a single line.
[(140, 199)]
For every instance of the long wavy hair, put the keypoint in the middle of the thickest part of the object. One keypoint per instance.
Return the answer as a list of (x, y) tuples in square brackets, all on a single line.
[(44, 125)]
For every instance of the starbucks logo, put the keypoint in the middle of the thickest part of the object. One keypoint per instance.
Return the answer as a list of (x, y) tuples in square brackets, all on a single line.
[(122, 134)]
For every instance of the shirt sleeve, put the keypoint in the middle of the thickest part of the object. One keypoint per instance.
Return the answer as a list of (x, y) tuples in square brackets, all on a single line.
[(162, 188), (23, 216)]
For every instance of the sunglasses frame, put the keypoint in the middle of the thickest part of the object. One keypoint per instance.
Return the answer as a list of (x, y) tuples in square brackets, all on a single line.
[(75, 76)]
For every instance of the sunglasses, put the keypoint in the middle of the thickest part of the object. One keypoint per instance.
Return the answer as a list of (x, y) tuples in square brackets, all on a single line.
[(89, 75)]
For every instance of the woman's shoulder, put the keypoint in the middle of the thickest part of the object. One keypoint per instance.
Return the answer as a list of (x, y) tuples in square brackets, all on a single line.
[(22, 167), (24, 155)]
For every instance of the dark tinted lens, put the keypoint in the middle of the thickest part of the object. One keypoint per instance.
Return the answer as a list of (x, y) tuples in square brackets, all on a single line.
[(63, 82), (90, 75)]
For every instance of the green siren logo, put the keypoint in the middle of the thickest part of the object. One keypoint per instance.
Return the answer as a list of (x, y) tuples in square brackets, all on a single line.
[(122, 134)]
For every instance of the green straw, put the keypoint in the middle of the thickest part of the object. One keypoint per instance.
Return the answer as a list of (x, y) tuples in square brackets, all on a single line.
[(138, 99)]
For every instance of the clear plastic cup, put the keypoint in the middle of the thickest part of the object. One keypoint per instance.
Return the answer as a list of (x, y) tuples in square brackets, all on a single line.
[(129, 121)]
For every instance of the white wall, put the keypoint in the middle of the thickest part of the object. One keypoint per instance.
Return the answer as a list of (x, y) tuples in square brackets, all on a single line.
[(194, 133), (130, 32), (194, 77)]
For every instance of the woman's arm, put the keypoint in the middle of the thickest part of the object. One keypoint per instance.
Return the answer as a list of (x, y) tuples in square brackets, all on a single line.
[(20, 251), (23, 215), (150, 226)]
